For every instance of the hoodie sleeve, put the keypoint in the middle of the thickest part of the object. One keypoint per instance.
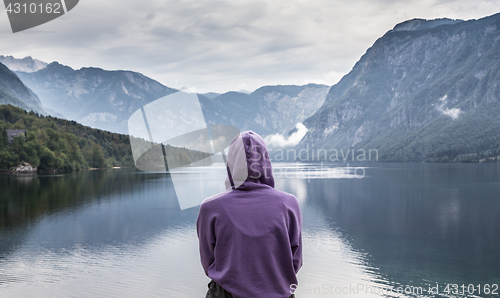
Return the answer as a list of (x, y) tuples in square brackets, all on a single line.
[(206, 235), (295, 234), (297, 255)]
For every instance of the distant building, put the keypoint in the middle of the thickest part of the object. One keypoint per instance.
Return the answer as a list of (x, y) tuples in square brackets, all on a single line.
[(11, 133)]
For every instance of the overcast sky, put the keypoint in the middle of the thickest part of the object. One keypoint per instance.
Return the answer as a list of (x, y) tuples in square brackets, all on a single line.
[(219, 45)]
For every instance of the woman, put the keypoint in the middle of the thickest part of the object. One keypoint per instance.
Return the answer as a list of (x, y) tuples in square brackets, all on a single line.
[(250, 236)]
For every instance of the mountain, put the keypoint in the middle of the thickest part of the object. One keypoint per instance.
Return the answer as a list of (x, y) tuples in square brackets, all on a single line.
[(14, 92), (421, 24), (106, 99), (26, 64), (92, 96), (210, 94), (426, 90), (267, 110)]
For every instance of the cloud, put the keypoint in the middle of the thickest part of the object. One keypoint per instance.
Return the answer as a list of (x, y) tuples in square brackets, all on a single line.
[(278, 140), (453, 113), (216, 45)]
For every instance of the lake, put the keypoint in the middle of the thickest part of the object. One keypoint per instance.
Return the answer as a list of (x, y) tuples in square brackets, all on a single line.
[(381, 230)]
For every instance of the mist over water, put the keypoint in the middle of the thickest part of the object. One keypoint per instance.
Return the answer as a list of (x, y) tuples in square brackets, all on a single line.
[(121, 233)]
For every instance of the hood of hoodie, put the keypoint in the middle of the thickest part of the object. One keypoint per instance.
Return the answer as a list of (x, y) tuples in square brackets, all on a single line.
[(248, 161)]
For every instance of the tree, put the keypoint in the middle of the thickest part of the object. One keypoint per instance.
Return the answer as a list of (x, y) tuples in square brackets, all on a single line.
[(97, 159), (7, 159), (4, 141), (47, 158)]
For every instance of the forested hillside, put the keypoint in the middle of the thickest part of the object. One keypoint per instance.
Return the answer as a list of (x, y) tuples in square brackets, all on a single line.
[(57, 144), (53, 143)]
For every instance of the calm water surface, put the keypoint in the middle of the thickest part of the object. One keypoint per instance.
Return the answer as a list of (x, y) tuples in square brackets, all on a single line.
[(121, 233)]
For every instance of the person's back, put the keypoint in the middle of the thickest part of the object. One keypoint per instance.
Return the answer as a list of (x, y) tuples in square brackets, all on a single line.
[(250, 236)]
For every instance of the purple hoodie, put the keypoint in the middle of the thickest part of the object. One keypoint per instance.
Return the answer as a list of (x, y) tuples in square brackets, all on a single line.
[(250, 235)]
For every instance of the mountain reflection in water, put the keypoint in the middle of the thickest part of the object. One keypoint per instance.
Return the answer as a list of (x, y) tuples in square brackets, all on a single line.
[(121, 232)]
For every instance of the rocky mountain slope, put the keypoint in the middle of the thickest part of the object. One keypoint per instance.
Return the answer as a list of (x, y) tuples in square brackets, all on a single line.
[(426, 90), (14, 92), (267, 110), (93, 96), (26, 64), (106, 99)]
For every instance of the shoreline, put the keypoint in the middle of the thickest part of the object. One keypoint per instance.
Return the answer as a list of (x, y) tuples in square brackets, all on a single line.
[(53, 171)]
